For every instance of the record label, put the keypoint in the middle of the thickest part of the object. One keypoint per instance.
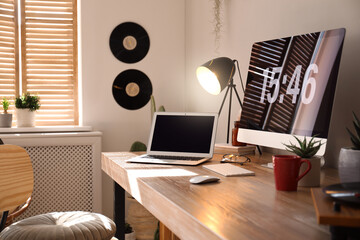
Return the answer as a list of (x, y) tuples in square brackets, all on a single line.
[(132, 89), (129, 42)]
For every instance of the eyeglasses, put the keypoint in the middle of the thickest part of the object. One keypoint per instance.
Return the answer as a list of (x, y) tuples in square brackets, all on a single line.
[(232, 158)]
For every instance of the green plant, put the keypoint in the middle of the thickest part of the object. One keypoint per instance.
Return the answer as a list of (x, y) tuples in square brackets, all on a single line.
[(355, 138), (305, 149), (138, 147), (157, 230), (5, 104), (153, 107), (217, 23), (28, 101), (128, 228)]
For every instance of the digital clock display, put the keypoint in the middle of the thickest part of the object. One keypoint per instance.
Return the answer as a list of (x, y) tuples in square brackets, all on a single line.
[(291, 83), (293, 88)]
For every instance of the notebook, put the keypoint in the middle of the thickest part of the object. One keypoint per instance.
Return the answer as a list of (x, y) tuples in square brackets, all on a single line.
[(228, 170), (180, 138)]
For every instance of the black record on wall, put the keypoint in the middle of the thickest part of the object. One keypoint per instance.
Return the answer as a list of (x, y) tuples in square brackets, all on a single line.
[(132, 89), (129, 42)]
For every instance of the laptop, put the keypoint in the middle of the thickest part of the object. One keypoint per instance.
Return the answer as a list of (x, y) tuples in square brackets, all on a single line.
[(180, 138)]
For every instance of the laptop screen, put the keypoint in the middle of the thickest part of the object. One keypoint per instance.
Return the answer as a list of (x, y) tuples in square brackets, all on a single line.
[(183, 133)]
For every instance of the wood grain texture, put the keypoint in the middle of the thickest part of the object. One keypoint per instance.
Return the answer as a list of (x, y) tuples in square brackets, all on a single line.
[(347, 217), (234, 208), (165, 233), (16, 177)]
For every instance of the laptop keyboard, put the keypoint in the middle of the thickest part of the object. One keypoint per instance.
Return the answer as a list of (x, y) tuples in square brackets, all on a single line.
[(173, 157)]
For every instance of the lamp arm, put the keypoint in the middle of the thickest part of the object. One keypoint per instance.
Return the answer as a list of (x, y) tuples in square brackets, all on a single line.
[(231, 86), (222, 104), (237, 95), (241, 81)]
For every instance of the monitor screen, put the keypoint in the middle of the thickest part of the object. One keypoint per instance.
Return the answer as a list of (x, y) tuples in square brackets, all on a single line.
[(290, 88)]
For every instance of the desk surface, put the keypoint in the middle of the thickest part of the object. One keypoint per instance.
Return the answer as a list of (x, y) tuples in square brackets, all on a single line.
[(246, 207)]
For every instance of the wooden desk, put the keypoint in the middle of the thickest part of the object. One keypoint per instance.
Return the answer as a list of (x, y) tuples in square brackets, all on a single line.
[(234, 208), (344, 224), (347, 217)]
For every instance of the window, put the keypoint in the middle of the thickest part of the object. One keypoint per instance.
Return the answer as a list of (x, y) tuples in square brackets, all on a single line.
[(40, 57)]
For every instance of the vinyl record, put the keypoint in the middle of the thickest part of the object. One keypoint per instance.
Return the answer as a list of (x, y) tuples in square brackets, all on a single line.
[(132, 89), (129, 42), (344, 192)]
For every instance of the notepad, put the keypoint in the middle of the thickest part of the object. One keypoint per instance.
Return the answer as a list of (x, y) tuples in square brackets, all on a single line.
[(228, 169)]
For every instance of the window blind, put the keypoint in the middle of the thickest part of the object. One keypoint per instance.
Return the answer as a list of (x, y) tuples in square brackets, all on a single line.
[(49, 59), (281, 116), (9, 77), (264, 55)]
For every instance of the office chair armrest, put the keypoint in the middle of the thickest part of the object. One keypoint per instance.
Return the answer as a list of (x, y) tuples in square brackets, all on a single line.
[(17, 212)]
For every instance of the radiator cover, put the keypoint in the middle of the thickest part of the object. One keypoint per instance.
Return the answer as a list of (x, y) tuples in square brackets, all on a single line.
[(67, 175)]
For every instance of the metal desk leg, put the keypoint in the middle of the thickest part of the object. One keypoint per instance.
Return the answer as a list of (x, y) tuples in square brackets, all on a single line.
[(119, 211), (344, 233)]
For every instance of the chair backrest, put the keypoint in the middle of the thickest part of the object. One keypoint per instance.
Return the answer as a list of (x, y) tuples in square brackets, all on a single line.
[(16, 177)]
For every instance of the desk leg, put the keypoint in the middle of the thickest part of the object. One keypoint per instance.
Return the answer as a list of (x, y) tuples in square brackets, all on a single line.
[(344, 233), (165, 233), (119, 211)]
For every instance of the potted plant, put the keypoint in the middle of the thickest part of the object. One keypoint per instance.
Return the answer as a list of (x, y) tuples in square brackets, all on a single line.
[(307, 150), (5, 118), (349, 157), (138, 146), (129, 232), (26, 106)]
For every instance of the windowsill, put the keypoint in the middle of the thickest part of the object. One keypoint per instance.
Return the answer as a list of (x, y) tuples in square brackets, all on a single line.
[(46, 129)]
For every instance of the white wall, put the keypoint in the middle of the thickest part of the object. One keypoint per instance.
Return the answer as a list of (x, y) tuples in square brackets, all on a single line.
[(164, 65), (246, 22)]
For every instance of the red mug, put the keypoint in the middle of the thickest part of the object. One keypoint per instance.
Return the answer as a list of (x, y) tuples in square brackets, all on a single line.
[(286, 171)]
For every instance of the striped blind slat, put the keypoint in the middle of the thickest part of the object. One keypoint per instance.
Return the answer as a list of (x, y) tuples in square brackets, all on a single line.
[(49, 59), (264, 55), (8, 51), (300, 53)]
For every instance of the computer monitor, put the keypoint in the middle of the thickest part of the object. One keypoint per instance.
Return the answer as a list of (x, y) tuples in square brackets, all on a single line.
[(290, 88)]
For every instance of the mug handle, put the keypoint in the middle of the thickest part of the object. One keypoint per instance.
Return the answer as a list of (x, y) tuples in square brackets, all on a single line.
[(306, 171)]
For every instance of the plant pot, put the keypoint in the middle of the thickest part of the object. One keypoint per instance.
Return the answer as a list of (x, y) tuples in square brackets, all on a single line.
[(349, 165), (130, 236), (312, 178), (25, 117), (141, 220), (5, 120)]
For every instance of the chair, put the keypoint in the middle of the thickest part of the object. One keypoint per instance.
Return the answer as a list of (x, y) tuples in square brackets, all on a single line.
[(12, 214), (16, 186)]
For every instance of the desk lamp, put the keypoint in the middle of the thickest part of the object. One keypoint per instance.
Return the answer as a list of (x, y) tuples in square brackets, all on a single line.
[(216, 75)]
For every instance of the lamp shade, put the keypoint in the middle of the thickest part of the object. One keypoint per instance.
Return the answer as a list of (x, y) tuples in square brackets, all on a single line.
[(215, 74)]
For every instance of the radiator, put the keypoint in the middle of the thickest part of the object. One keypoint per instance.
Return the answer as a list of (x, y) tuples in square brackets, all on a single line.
[(67, 174)]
